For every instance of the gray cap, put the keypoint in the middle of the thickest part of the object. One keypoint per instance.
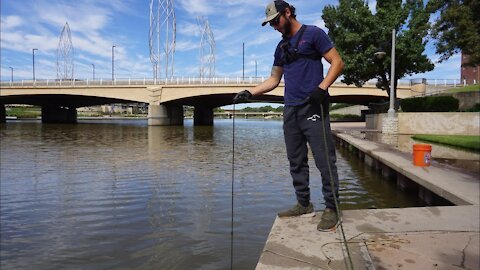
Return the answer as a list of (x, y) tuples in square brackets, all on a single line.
[(273, 9)]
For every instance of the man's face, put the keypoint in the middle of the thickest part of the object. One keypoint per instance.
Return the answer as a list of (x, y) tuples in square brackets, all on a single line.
[(281, 23)]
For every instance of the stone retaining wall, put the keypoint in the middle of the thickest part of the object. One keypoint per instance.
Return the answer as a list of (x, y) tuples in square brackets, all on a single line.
[(440, 123)]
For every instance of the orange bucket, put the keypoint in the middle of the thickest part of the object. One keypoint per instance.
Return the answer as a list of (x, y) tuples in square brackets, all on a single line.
[(422, 154)]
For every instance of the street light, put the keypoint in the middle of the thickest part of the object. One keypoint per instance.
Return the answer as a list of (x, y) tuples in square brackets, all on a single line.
[(391, 110), (380, 55), (11, 78), (93, 65), (113, 63), (255, 68), (243, 61), (33, 60)]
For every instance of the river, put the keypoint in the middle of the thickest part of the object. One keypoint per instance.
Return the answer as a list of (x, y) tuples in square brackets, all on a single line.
[(123, 195)]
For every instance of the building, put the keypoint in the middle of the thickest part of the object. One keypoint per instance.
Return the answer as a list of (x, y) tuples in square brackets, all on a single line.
[(469, 74)]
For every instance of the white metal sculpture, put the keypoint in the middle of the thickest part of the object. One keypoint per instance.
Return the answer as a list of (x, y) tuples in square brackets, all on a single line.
[(207, 49), (65, 55), (162, 38)]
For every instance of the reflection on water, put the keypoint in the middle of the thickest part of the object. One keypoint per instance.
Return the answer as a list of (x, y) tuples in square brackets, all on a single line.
[(123, 195)]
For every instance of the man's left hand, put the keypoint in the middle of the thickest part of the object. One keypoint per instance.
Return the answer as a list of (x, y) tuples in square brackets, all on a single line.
[(319, 96)]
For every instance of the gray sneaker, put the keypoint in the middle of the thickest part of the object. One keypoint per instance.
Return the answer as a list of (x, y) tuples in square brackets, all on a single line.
[(328, 221), (298, 210)]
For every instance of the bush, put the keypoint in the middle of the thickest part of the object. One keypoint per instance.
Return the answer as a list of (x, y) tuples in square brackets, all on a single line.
[(430, 104), (475, 108)]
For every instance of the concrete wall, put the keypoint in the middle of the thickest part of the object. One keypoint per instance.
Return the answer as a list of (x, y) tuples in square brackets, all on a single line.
[(441, 123), (466, 100), (355, 110)]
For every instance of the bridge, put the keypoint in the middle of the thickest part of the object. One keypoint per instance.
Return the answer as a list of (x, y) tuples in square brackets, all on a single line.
[(59, 99)]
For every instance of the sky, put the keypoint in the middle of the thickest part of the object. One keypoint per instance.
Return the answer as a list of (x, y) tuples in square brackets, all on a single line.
[(98, 25)]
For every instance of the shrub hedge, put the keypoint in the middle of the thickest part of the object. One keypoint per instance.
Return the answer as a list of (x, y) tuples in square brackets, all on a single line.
[(430, 104)]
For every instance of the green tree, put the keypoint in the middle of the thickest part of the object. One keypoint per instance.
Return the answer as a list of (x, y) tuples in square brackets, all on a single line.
[(457, 28), (358, 34)]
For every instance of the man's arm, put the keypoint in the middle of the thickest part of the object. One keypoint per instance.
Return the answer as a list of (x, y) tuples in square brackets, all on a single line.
[(336, 68), (270, 83)]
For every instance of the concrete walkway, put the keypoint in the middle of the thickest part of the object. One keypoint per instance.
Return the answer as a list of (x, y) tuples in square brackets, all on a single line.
[(455, 186), (458, 187), (409, 238)]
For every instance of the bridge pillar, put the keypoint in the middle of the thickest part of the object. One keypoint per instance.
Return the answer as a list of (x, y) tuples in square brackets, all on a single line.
[(165, 115), (203, 116), (3, 114), (59, 114)]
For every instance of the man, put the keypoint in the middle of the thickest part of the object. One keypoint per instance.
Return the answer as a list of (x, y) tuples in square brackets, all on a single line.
[(298, 57)]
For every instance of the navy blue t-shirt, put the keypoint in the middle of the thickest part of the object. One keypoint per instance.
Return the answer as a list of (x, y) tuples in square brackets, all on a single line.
[(303, 75)]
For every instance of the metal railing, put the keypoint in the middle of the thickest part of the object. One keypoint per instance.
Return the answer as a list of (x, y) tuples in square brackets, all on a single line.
[(431, 83), (145, 81), (136, 81)]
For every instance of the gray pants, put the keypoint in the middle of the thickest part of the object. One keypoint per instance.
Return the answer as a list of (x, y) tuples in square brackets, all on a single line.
[(302, 124)]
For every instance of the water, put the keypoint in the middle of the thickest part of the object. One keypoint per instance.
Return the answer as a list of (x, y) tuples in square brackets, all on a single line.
[(123, 195)]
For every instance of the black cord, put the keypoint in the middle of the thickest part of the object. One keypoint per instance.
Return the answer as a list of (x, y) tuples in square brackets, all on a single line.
[(233, 178), (349, 263)]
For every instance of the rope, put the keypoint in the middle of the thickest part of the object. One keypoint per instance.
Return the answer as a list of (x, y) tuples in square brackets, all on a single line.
[(348, 263), (233, 177)]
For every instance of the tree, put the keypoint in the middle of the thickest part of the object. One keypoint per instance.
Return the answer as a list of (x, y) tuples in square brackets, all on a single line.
[(358, 33), (457, 28)]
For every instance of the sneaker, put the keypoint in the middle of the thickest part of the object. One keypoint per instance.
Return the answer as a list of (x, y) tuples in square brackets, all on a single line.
[(298, 210), (328, 221)]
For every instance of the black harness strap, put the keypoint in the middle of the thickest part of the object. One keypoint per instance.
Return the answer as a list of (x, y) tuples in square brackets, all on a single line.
[(292, 55)]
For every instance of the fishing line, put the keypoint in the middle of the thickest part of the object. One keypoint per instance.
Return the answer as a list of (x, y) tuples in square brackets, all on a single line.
[(349, 264), (233, 178)]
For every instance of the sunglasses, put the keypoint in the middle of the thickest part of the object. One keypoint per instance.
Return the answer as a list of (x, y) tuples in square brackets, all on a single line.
[(276, 20)]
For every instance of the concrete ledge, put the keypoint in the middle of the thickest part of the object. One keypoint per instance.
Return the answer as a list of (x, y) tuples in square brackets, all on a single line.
[(454, 186), (413, 238)]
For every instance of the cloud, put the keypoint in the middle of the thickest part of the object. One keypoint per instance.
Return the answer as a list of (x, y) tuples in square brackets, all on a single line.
[(10, 22), (197, 7), (183, 46), (264, 38), (188, 29)]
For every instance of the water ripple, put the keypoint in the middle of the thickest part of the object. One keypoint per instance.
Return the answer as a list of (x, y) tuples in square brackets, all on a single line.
[(122, 195)]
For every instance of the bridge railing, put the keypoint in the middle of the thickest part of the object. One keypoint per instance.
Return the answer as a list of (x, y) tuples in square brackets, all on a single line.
[(145, 81), (430, 83), (134, 81)]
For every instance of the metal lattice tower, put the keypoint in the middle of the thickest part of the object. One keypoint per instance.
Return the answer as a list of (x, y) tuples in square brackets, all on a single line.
[(162, 38), (65, 55), (207, 49)]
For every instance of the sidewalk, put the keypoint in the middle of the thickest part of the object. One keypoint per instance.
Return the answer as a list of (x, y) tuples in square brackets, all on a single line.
[(410, 238), (407, 238), (454, 185)]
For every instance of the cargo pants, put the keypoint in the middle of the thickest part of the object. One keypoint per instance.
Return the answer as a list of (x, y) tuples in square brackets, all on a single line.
[(301, 125)]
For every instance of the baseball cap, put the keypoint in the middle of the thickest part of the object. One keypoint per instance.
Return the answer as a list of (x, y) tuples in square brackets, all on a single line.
[(273, 9)]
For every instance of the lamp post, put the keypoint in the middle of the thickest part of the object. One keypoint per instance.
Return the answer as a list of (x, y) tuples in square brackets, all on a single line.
[(391, 110), (380, 55), (243, 61), (33, 61), (93, 66), (255, 68), (11, 72), (113, 63)]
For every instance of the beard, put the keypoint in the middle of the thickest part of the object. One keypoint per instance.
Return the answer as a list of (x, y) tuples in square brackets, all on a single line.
[(287, 28)]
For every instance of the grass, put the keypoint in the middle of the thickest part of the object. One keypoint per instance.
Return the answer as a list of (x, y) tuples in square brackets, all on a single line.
[(471, 143), (24, 112), (468, 88)]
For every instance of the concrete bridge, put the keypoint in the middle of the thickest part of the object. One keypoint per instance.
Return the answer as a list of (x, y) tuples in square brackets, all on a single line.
[(59, 100)]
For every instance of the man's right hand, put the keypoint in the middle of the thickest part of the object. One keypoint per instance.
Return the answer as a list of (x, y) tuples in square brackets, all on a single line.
[(242, 97)]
